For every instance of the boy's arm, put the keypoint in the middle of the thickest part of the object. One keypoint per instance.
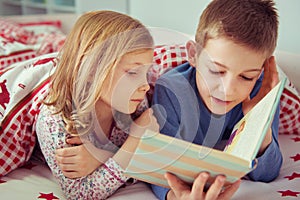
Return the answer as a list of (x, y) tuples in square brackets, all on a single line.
[(270, 161), (269, 157)]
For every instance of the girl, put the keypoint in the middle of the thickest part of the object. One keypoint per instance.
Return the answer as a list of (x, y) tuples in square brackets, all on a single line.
[(100, 79)]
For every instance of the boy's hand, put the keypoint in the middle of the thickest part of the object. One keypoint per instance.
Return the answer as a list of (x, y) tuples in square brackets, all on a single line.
[(79, 161), (180, 190), (270, 80)]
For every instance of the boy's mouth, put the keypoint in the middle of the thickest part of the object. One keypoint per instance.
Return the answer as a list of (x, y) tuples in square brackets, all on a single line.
[(220, 101)]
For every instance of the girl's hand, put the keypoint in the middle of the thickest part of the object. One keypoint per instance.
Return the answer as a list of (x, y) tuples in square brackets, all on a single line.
[(81, 160), (145, 121), (180, 190), (270, 80), (137, 130)]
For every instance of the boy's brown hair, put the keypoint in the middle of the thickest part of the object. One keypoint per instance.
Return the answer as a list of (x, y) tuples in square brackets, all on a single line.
[(253, 23)]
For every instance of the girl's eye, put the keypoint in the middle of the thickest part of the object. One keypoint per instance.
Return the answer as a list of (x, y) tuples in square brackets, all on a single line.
[(131, 72), (216, 72)]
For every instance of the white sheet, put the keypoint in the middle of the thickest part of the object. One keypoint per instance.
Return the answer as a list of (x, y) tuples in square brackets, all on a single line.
[(36, 182)]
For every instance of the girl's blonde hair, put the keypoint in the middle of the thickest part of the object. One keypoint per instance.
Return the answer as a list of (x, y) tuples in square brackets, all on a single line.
[(253, 23), (91, 51)]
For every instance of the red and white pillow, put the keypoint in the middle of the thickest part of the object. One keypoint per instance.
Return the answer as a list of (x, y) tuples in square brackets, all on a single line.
[(43, 31), (22, 41), (169, 56), (14, 32), (289, 108), (23, 86), (13, 43)]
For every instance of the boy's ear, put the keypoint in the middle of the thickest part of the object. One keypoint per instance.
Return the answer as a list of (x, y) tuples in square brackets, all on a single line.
[(192, 52)]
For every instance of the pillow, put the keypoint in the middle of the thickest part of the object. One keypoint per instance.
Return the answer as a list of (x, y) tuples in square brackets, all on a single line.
[(52, 43), (289, 108), (22, 41), (23, 86), (39, 27), (12, 51), (14, 32), (165, 58), (169, 56), (42, 29)]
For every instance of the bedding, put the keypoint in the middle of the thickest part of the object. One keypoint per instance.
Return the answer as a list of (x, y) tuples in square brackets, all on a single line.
[(34, 180)]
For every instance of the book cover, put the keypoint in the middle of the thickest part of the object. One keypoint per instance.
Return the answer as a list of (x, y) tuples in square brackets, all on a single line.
[(157, 154)]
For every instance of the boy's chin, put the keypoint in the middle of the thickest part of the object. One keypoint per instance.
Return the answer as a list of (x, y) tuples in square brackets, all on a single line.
[(219, 110)]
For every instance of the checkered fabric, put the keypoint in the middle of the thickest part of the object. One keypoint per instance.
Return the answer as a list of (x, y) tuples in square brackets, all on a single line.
[(17, 135), (166, 58), (23, 87), (289, 113), (169, 56)]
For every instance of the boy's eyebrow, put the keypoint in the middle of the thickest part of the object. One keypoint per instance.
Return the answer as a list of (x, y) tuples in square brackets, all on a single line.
[(224, 66)]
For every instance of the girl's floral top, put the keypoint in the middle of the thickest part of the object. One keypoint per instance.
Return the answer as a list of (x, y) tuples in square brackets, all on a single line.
[(107, 178)]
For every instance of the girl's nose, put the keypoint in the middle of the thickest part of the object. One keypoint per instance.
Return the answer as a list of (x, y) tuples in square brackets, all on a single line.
[(144, 87)]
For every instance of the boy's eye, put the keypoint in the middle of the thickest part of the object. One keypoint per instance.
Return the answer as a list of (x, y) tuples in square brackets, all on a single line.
[(247, 78)]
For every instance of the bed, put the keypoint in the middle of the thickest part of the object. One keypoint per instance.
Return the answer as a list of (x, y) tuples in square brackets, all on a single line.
[(35, 181)]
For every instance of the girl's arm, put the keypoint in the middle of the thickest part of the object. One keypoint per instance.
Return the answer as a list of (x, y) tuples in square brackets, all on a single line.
[(99, 184), (82, 159)]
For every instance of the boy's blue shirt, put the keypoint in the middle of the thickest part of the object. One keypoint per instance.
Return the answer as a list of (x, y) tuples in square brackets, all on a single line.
[(178, 108)]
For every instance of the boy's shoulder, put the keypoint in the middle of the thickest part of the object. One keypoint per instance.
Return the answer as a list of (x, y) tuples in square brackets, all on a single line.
[(184, 70)]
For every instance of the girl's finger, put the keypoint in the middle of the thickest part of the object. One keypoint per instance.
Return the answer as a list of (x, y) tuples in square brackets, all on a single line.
[(71, 174), (67, 151), (68, 167), (74, 140), (65, 160)]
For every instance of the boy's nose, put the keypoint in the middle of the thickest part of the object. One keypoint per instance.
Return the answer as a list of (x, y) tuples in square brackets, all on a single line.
[(227, 86)]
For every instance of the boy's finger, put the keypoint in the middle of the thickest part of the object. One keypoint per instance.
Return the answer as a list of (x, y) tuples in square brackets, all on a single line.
[(230, 190), (216, 187), (176, 184), (199, 184)]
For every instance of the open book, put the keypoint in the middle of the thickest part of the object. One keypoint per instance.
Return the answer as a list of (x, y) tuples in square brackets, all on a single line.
[(157, 154)]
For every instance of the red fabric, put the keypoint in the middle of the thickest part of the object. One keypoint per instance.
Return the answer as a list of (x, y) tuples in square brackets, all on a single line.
[(23, 87), (14, 32)]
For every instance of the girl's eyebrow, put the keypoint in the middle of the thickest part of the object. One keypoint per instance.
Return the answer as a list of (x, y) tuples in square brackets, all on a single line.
[(224, 66)]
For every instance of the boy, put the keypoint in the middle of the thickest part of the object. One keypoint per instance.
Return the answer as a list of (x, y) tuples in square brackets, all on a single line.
[(230, 69)]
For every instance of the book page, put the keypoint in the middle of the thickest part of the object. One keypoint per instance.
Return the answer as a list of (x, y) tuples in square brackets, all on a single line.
[(250, 131)]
